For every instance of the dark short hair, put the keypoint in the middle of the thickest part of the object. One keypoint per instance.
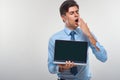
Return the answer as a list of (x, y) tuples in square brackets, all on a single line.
[(66, 5)]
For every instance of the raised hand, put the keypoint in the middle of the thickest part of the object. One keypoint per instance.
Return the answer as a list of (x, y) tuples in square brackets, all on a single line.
[(84, 27)]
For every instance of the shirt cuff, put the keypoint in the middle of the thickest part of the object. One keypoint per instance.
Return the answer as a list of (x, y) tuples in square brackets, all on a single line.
[(97, 45)]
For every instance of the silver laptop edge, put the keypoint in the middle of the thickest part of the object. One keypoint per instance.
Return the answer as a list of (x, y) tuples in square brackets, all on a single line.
[(56, 62)]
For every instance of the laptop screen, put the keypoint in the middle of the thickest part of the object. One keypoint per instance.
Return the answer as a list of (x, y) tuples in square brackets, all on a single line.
[(75, 51)]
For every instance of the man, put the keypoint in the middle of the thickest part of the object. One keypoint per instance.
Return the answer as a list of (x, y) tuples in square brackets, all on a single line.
[(69, 11)]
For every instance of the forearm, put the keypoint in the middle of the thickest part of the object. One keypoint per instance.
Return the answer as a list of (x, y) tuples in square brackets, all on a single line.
[(92, 41), (53, 68), (97, 49), (101, 54)]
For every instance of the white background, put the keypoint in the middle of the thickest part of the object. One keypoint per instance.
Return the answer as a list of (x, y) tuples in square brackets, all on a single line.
[(25, 28)]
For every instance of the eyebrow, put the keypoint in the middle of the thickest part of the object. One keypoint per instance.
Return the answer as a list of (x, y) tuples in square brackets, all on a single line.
[(74, 11)]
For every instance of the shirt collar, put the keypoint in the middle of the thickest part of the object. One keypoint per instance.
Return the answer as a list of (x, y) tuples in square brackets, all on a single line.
[(68, 31)]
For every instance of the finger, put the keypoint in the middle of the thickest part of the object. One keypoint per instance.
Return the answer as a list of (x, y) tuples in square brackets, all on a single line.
[(82, 21), (71, 64), (79, 21), (74, 65), (86, 24), (68, 64)]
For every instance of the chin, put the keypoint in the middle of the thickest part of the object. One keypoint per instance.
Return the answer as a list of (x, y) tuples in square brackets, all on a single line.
[(75, 27)]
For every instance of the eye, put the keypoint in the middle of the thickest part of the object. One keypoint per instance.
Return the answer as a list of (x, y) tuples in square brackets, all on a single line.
[(71, 13), (77, 12)]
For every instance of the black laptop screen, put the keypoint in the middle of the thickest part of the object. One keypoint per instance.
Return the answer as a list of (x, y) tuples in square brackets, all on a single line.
[(75, 51)]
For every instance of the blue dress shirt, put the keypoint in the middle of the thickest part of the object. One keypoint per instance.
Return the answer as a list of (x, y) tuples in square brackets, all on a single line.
[(83, 71)]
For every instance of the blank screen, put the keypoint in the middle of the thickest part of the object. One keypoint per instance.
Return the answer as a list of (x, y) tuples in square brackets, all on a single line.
[(75, 51)]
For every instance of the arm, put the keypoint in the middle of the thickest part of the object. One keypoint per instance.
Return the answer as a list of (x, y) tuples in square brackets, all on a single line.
[(87, 32), (97, 49), (101, 54), (53, 68)]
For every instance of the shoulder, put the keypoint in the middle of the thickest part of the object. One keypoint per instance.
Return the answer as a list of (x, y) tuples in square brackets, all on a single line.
[(56, 35)]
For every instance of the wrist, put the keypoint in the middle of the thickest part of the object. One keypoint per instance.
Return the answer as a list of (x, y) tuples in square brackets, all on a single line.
[(92, 40), (89, 35)]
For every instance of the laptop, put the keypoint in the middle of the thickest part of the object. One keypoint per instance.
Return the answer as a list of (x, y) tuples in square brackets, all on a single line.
[(66, 50)]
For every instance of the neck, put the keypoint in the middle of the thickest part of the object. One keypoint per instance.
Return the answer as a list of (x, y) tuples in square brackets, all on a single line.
[(71, 27)]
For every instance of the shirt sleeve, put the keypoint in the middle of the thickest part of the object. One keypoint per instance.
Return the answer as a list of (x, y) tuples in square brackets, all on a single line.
[(101, 54), (53, 68)]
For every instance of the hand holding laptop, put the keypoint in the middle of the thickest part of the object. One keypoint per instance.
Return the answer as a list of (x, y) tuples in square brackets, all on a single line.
[(66, 66)]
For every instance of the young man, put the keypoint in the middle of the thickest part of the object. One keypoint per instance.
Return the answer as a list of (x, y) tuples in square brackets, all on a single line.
[(69, 11)]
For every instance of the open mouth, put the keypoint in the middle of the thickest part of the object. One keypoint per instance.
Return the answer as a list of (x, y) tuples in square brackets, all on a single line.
[(76, 20)]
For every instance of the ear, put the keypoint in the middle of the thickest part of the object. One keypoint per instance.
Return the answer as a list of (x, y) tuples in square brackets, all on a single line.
[(63, 18)]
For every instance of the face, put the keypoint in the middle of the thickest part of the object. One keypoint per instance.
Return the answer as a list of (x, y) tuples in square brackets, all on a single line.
[(71, 17)]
